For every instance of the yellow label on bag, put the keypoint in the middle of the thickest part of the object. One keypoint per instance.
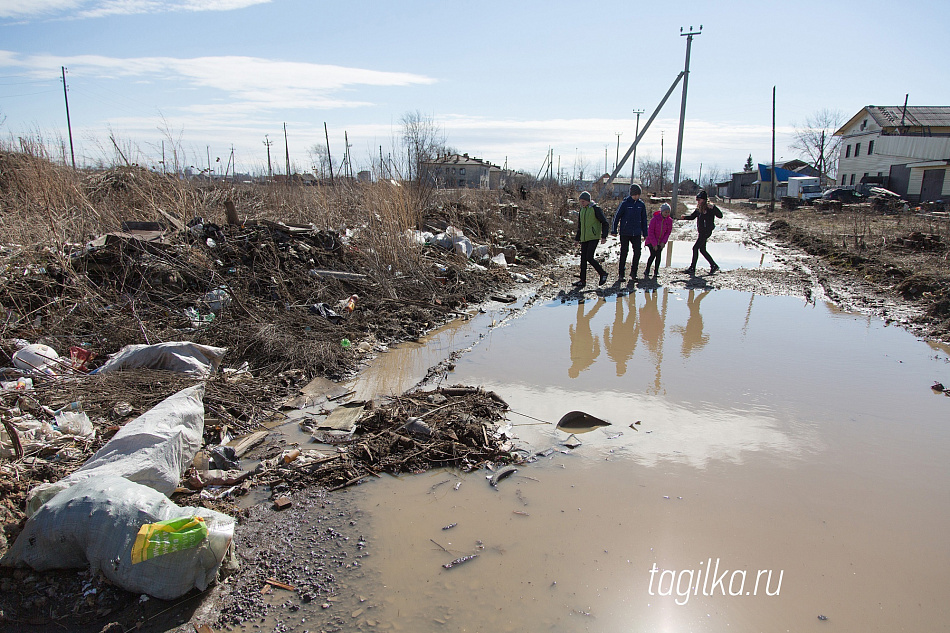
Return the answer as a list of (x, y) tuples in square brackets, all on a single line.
[(165, 537)]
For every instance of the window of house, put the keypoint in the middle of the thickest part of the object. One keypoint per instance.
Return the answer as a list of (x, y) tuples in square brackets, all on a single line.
[(852, 179), (857, 150), (870, 147), (847, 152), (461, 182), (462, 170), (844, 179), (453, 170)]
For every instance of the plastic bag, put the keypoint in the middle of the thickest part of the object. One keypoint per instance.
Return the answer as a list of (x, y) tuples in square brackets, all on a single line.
[(95, 523), (153, 449)]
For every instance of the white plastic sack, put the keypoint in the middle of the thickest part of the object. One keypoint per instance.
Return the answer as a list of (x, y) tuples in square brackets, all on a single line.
[(154, 449), (462, 245), (179, 356), (94, 524), (499, 260), (38, 359)]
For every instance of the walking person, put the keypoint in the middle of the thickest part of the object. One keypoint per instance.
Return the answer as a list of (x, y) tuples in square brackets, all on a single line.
[(631, 220), (658, 234), (591, 227), (705, 216)]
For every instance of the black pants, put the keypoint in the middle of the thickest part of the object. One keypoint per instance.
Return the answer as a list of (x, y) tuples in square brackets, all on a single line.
[(587, 257), (626, 241), (655, 250), (700, 247)]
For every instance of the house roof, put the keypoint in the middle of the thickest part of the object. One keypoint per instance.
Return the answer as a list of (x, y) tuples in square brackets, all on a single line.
[(461, 160), (781, 175), (891, 116)]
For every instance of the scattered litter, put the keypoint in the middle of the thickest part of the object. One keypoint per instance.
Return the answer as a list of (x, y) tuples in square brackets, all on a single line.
[(521, 512), (580, 422), (282, 503), (178, 356), (459, 561), (450, 526), (280, 585), (501, 474)]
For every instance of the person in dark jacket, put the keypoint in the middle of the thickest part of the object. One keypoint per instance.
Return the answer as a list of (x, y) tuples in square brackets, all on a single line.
[(705, 216), (591, 226), (631, 219)]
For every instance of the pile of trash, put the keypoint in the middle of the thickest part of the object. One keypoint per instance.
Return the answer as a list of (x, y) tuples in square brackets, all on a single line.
[(114, 514)]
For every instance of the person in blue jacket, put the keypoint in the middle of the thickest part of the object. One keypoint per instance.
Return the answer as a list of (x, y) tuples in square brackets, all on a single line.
[(631, 220)]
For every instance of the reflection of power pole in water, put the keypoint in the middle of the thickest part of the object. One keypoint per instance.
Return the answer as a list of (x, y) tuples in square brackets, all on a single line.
[(669, 254), (748, 313), (652, 326), (693, 336), (621, 340), (585, 347)]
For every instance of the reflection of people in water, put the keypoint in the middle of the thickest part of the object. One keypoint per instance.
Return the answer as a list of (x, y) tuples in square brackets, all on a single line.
[(585, 347), (693, 336), (651, 329), (621, 340)]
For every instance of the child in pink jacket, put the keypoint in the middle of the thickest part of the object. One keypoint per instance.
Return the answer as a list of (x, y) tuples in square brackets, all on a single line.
[(661, 224)]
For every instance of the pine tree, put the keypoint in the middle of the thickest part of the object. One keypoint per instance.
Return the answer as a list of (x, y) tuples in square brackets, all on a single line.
[(748, 164)]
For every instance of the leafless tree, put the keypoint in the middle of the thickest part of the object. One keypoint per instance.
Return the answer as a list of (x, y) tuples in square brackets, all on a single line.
[(319, 160), (652, 176), (814, 140), (423, 139)]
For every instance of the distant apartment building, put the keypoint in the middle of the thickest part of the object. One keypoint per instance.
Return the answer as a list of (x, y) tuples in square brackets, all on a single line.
[(904, 149), (461, 171)]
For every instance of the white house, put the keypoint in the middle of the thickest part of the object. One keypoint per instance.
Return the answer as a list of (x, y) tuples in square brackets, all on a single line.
[(905, 149)]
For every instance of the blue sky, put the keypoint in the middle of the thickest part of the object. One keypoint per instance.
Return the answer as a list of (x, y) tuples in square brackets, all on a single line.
[(504, 80)]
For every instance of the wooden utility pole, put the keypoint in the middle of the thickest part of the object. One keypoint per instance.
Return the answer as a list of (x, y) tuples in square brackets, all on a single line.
[(69, 125), (270, 169), (679, 142), (326, 135), (661, 164), (633, 164), (772, 187), (287, 151)]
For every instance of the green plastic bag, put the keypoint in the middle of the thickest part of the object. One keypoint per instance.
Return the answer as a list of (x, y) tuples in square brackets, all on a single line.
[(165, 537)]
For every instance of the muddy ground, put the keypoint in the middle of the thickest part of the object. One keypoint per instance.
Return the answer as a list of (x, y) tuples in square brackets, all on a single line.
[(893, 266)]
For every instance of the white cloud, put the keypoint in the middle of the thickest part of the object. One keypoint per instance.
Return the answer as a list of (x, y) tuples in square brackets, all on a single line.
[(101, 8), (245, 84)]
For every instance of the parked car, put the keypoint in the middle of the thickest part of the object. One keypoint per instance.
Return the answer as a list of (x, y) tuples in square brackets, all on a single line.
[(843, 195)]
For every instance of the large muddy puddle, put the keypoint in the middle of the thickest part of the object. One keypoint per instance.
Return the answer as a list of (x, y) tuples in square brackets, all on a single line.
[(769, 464), (768, 461)]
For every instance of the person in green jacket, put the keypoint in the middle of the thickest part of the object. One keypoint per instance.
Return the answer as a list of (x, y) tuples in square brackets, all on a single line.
[(591, 227)]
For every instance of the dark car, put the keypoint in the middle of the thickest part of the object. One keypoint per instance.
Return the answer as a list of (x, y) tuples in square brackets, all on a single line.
[(841, 194)]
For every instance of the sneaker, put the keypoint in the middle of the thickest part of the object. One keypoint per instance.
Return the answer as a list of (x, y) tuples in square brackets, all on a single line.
[(603, 279), (579, 284), (713, 269), (690, 271)]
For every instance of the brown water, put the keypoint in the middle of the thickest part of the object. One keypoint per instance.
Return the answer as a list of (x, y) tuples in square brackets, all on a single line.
[(774, 435)]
